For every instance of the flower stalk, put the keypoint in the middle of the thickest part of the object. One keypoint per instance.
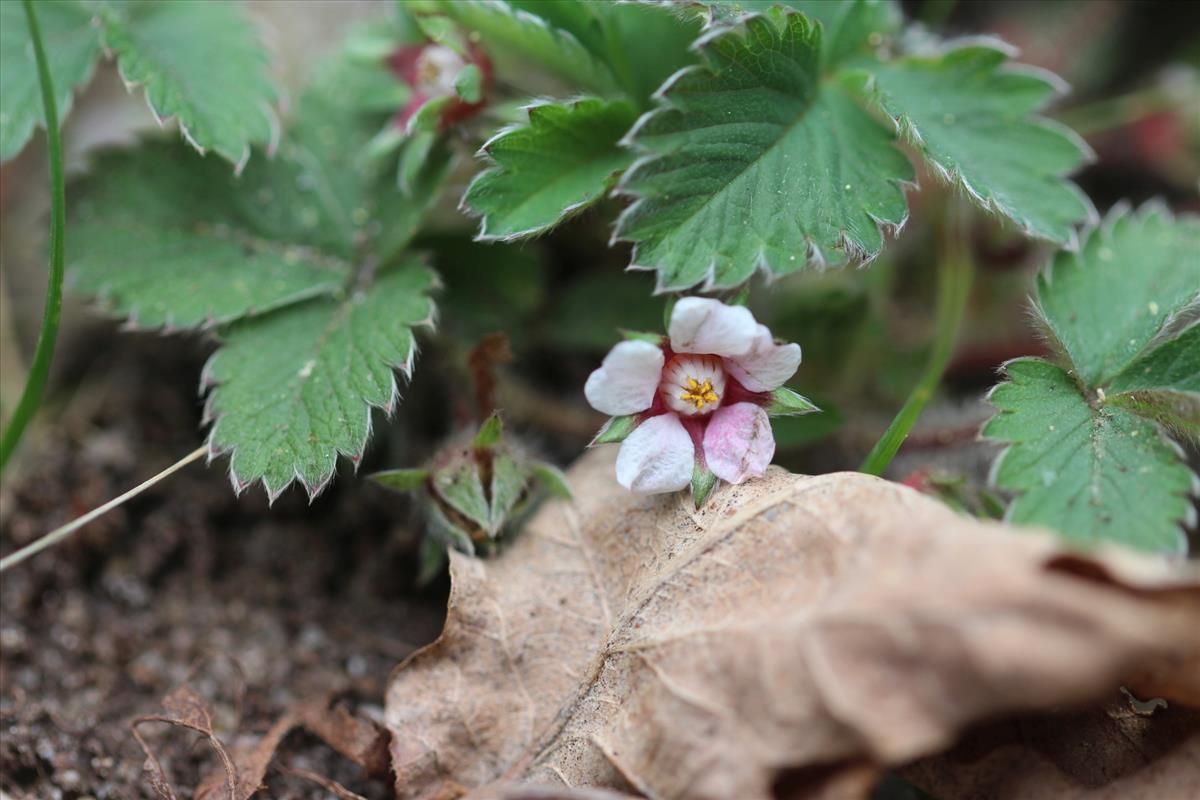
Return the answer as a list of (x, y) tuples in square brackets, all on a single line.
[(39, 369), (955, 274)]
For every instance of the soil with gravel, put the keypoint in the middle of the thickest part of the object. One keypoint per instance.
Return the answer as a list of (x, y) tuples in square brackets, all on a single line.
[(257, 608)]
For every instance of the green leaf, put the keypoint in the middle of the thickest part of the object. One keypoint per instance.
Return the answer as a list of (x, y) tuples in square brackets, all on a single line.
[(402, 480), (1105, 304), (615, 430), (752, 163), (201, 63), (168, 239), (294, 388), (974, 120), (530, 37), (468, 84), (489, 432), (849, 27), (642, 43), (160, 237), (703, 482), (1173, 365), (1164, 384), (73, 45), (552, 479), (785, 402), (564, 160), (1090, 470)]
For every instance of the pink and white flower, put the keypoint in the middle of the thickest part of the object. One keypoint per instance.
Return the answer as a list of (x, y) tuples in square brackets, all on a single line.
[(699, 397), (430, 70)]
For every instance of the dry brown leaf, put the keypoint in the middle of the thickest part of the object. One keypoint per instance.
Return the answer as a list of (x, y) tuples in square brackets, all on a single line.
[(1121, 751), (185, 709), (361, 741), (822, 627)]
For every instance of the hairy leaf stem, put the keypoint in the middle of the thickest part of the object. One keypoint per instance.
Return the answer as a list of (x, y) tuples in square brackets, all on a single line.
[(39, 369), (955, 274)]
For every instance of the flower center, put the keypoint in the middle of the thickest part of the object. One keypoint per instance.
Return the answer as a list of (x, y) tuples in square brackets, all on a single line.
[(693, 385), (436, 70), (699, 394)]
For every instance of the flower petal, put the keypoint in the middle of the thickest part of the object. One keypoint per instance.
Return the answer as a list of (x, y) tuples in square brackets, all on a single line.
[(768, 365), (625, 383), (738, 443), (657, 457), (703, 325)]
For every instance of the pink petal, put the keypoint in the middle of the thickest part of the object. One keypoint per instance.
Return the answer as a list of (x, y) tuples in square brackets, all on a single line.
[(768, 365), (738, 443), (702, 325), (627, 380), (657, 457)]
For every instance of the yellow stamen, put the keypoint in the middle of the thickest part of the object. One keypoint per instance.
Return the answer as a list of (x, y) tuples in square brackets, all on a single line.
[(699, 395)]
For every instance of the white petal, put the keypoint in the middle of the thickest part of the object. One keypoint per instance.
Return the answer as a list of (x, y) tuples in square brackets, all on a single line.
[(627, 380), (657, 457), (703, 325), (768, 365), (738, 442)]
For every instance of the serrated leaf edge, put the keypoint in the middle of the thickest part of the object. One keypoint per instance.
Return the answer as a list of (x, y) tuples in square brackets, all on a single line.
[(813, 258), (1189, 519), (484, 152), (268, 111), (209, 388), (906, 132)]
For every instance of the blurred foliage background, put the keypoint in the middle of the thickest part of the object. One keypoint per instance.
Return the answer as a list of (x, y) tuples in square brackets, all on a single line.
[(1135, 98)]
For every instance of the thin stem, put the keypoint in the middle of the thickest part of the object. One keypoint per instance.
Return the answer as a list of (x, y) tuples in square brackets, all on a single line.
[(955, 273), (58, 534), (1117, 112), (35, 383)]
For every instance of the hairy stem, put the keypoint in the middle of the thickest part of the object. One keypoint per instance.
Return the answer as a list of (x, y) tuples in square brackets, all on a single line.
[(58, 534), (955, 274), (35, 383)]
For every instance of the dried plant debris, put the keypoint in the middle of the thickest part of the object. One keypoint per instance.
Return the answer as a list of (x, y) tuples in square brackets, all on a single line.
[(829, 627)]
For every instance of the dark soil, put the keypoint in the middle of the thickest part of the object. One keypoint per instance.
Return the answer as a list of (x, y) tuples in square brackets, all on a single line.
[(264, 608)]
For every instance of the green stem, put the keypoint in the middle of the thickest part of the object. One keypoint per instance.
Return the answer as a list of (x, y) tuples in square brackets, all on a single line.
[(1117, 112), (31, 397), (955, 273)]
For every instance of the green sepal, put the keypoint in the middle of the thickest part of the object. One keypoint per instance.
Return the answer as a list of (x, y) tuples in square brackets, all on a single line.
[(785, 402), (401, 480), (460, 488), (703, 483), (509, 480), (552, 479), (385, 143), (489, 432), (443, 30), (442, 530), (642, 336), (468, 84), (431, 561), (741, 298), (429, 116), (615, 430)]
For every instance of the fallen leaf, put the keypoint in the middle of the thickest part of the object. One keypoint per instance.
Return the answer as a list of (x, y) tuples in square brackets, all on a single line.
[(1118, 751), (361, 741), (820, 628), (185, 709)]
